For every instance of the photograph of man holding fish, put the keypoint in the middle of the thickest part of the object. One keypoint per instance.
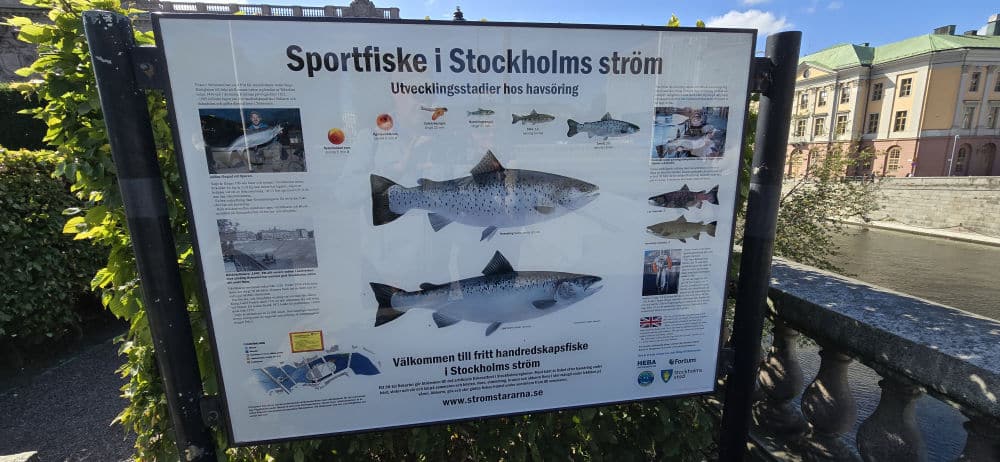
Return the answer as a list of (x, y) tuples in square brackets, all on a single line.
[(253, 140)]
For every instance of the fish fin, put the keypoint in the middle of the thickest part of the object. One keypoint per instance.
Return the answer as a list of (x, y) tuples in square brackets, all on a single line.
[(515, 117), (545, 209), (487, 164), (383, 293), (443, 320), (685, 188), (488, 233), (381, 212), (533, 112), (430, 286), (682, 219), (438, 221), (711, 228), (425, 181), (607, 116), (543, 304), (470, 112), (498, 265), (682, 240), (713, 195), (699, 206), (696, 236), (493, 328), (573, 127)]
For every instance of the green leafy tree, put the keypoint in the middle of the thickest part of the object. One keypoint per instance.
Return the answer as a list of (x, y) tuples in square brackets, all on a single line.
[(655, 430)]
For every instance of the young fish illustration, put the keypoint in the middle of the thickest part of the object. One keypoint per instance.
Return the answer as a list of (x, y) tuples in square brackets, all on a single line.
[(500, 295), (681, 229), (492, 197), (481, 112), (533, 118), (604, 128), (252, 139), (685, 198), (436, 111)]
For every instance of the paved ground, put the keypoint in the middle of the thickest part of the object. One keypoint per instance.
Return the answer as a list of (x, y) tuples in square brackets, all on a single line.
[(65, 411)]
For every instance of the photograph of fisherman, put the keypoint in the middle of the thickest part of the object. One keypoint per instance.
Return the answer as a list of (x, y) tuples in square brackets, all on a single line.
[(661, 272), (269, 151)]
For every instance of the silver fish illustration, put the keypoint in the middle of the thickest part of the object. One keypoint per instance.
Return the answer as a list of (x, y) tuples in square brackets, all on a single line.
[(685, 198), (481, 112), (500, 295), (681, 229), (603, 128), (493, 197), (253, 139), (533, 118)]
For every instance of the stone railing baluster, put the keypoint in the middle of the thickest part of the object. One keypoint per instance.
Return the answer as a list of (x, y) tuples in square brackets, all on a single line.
[(890, 434), (779, 382), (983, 441), (829, 407)]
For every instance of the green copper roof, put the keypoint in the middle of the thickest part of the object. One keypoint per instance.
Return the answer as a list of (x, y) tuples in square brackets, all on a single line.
[(846, 55)]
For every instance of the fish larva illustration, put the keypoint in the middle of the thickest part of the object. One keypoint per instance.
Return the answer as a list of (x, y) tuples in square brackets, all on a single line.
[(685, 198), (603, 128), (254, 139), (500, 295), (532, 118), (492, 197), (481, 112), (681, 229)]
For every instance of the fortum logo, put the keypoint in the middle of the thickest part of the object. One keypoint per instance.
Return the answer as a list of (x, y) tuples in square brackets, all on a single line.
[(682, 361)]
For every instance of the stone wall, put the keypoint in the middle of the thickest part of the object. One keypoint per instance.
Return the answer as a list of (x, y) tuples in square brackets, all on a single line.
[(969, 203)]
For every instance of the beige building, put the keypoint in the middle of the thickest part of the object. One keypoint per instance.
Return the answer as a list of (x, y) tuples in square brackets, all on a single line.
[(926, 106)]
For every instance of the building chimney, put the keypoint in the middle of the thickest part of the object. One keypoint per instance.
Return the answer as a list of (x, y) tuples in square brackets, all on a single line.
[(970, 32), (945, 30), (993, 25)]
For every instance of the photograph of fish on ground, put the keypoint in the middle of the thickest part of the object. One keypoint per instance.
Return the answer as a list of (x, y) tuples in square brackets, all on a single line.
[(501, 295), (252, 140), (689, 132), (252, 245), (661, 272)]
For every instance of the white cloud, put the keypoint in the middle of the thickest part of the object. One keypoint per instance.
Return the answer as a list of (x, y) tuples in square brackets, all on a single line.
[(763, 21), (754, 2), (835, 5)]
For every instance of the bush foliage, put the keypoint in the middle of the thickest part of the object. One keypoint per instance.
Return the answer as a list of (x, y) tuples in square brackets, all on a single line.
[(20, 131), (45, 270), (674, 429)]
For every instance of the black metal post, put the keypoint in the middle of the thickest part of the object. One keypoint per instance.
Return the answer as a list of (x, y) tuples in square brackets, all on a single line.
[(758, 243), (134, 153)]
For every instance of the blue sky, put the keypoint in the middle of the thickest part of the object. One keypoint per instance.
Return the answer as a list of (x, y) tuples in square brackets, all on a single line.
[(823, 22)]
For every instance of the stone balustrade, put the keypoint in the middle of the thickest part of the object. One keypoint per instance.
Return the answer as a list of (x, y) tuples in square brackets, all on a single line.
[(917, 347)]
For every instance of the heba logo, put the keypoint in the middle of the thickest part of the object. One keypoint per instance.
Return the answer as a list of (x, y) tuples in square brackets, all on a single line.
[(646, 362)]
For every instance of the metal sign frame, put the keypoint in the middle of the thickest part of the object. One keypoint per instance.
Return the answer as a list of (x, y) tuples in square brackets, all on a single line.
[(124, 71)]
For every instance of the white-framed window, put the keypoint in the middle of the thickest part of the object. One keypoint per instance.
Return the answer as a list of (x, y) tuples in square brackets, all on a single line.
[(841, 124), (821, 101), (961, 158), (991, 118), (996, 86), (872, 123), (800, 127), (876, 92), (974, 82), (968, 115), (905, 86), (803, 100), (892, 162), (899, 122), (819, 126), (845, 94)]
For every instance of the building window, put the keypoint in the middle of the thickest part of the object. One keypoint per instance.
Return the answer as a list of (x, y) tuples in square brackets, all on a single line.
[(904, 86), (822, 98), (803, 100), (960, 159), (968, 116), (991, 118), (997, 86), (800, 127), (899, 123), (845, 95), (818, 126), (872, 123), (892, 164), (877, 92), (841, 124), (974, 82)]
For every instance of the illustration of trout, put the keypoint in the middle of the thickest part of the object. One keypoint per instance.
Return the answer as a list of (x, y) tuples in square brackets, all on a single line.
[(603, 128), (492, 197), (500, 295), (685, 198), (533, 118), (681, 229)]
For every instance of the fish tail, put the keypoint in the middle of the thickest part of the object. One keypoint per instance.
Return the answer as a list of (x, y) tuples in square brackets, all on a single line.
[(383, 293), (381, 212), (713, 195), (516, 119), (572, 127), (710, 228)]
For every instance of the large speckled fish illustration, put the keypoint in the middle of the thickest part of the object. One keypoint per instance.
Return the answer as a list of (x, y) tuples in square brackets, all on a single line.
[(500, 295), (492, 197)]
